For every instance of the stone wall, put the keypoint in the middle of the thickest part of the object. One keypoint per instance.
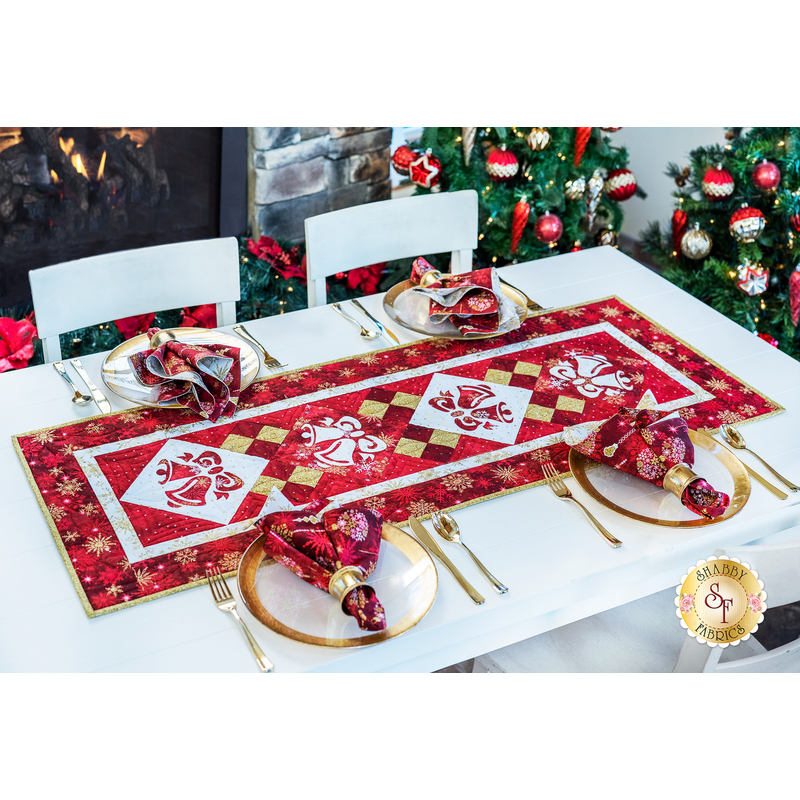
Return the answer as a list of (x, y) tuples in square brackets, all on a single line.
[(296, 173)]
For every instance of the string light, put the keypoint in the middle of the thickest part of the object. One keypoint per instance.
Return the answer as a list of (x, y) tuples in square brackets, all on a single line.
[(494, 258)]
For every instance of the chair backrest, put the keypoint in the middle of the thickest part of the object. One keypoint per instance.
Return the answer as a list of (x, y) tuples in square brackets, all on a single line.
[(778, 566), (77, 294), (390, 229)]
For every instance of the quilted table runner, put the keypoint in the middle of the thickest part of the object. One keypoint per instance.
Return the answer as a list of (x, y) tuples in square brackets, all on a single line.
[(140, 502)]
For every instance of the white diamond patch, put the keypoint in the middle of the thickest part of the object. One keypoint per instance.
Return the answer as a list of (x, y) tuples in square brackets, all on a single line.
[(476, 408), (195, 480)]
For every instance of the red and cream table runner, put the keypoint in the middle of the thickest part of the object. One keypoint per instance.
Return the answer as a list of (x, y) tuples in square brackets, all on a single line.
[(140, 502)]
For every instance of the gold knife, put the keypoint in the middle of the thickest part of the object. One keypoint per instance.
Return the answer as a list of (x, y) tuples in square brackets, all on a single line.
[(381, 327), (766, 484), (429, 542), (99, 397)]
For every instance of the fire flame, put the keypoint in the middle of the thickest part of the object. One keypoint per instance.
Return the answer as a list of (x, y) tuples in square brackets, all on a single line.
[(102, 165)]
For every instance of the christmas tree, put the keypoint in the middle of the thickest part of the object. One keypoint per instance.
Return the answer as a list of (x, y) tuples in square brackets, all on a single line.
[(733, 241), (542, 191)]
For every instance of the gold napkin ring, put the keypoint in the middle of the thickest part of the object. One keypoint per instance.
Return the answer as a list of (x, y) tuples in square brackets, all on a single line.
[(430, 277), (677, 478), (343, 582)]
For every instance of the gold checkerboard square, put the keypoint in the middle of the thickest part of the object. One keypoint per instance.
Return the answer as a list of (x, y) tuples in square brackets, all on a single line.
[(445, 439), (236, 443), (270, 434), (406, 400), (306, 476), (498, 376), (526, 368), (265, 483), (372, 408), (541, 413), (570, 404), (410, 447)]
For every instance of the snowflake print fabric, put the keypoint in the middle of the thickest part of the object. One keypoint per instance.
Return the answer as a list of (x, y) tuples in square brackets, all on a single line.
[(647, 443), (206, 379), (472, 301), (315, 547)]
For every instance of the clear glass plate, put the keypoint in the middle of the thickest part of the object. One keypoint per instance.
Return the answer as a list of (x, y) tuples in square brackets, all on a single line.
[(404, 580), (637, 499)]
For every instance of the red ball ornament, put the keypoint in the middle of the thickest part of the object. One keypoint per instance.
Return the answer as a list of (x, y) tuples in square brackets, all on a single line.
[(502, 164), (620, 184), (766, 176), (425, 170), (519, 220), (576, 248), (717, 183), (794, 221), (548, 228), (768, 339), (402, 158), (746, 223)]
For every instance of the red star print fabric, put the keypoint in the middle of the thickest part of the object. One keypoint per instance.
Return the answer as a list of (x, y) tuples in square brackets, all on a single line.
[(142, 501)]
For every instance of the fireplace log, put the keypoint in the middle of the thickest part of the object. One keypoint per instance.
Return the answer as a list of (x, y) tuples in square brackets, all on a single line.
[(45, 140)]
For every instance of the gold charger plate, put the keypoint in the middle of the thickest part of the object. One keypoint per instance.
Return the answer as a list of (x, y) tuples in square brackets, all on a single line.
[(118, 376), (405, 581), (713, 461), (393, 305)]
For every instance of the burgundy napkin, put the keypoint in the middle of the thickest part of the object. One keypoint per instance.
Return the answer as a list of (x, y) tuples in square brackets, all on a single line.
[(205, 378), (316, 547), (472, 301), (647, 443)]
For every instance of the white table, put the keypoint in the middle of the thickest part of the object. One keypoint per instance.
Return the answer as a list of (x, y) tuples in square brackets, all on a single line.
[(557, 567)]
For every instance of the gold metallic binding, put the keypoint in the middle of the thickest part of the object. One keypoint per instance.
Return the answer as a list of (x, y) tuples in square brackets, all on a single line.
[(678, 478), (343, 582)]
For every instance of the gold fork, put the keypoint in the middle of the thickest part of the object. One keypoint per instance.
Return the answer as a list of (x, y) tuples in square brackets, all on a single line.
[(225, 602), (561, 491), (270, 362)]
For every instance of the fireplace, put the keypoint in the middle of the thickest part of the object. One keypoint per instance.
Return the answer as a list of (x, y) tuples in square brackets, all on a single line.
[(67, 193)]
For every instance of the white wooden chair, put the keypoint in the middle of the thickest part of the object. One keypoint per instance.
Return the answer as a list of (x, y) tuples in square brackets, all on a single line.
[(390, 229), (646, 635), (77, 294)]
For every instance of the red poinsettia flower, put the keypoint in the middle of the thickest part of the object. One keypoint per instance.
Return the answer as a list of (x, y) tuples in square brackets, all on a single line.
[(133, 326), (204, 316), (366, 278), (266, 247), (16, 343)]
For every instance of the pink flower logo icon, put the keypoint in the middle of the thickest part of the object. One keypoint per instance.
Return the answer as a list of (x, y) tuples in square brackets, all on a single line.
[(687, 601), (754, 601)]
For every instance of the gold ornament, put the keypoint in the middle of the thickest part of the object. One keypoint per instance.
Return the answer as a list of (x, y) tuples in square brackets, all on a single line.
[(539, 138), (606, 236), (696, 243), (574, 189), (594, 190), (467, 141)]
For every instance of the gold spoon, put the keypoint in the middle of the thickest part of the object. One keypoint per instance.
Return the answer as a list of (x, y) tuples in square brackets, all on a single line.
[(735, 439), (448, 529)]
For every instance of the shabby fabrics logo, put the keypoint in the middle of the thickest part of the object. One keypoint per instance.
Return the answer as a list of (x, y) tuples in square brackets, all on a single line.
[(721, 601)]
